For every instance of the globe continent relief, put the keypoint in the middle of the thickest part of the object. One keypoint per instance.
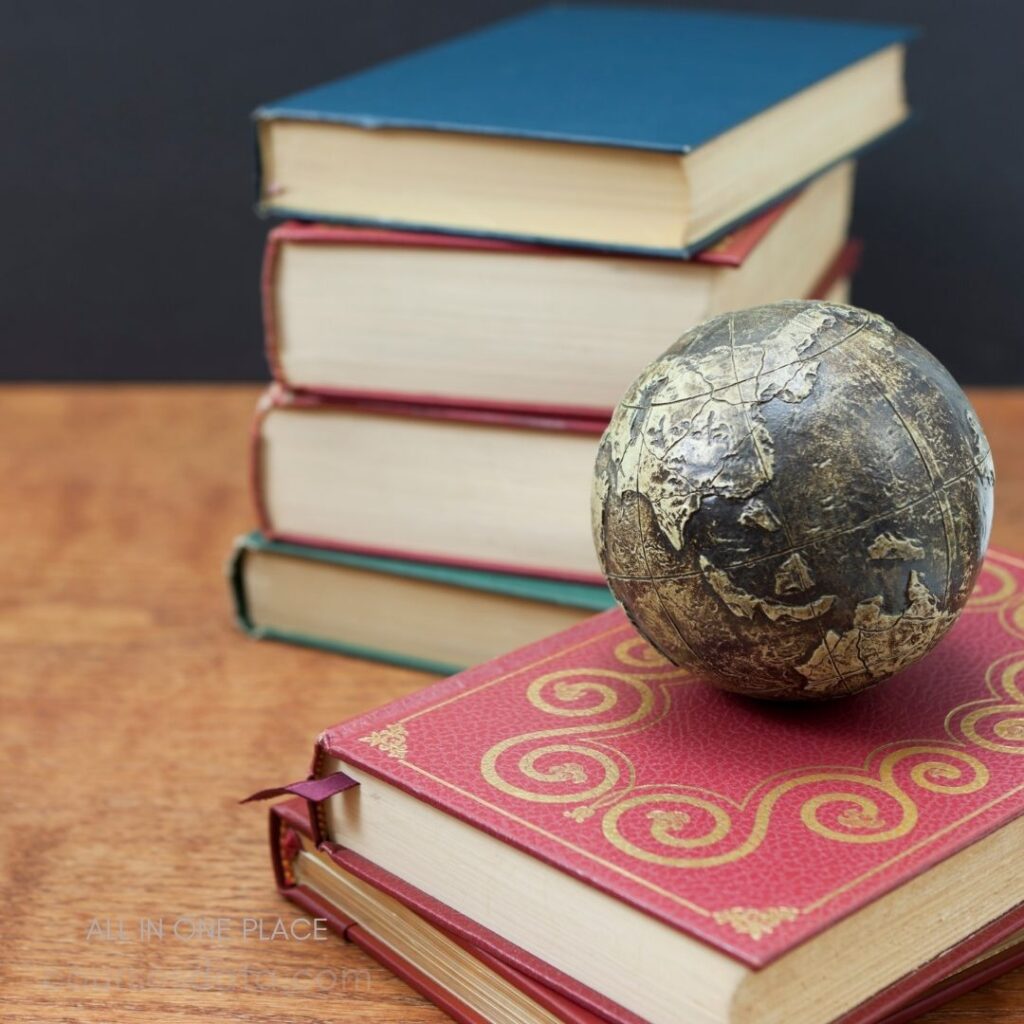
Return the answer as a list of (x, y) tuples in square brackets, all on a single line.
[(793, 501)]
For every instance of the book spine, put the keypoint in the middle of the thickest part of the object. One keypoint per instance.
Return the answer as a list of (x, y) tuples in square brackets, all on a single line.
[(317, 814), (264, 406), (287, 821), (257, 168), (268, 292), (235, 572)]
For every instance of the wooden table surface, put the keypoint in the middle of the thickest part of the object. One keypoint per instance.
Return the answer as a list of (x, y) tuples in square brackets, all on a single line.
[(133, 717)]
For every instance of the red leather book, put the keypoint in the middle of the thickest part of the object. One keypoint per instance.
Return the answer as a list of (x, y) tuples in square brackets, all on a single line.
[(986, 955), (468, 321), (292, 846), (665, 822), (317, 482)]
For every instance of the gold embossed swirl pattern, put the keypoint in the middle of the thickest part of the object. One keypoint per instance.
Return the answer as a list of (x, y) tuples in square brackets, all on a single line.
[(663, 825), (543, 767), (680, 826)]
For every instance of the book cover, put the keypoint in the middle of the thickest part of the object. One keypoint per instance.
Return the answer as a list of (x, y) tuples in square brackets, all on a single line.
[(590, 597), (661, 80), (991, 951), (749, 826)]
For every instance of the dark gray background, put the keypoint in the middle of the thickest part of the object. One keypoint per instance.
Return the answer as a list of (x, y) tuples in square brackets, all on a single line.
[(130, 250)]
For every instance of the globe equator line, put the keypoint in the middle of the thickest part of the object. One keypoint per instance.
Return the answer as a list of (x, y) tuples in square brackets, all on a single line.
[(753, 376), (975, 467)]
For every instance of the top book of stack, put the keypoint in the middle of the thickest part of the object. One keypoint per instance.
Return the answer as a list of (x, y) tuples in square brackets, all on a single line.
[(649, 131)]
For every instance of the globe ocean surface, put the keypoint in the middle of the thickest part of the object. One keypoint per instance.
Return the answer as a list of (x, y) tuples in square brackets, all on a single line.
[(793, 501)]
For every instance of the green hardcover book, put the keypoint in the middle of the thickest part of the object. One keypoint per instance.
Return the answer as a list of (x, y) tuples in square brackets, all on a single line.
[(433, 617)]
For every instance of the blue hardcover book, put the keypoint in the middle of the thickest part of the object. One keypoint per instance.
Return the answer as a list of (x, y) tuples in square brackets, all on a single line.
[(647, 130)]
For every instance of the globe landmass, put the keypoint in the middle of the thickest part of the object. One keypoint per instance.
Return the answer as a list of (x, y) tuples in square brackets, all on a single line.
[(793, 501)]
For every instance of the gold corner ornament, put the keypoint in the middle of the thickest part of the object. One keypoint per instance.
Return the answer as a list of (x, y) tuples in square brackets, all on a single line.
[(390, 740), (755, 922)]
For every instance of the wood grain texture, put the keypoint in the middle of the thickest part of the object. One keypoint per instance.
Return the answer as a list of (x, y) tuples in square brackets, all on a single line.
[(134, 717)]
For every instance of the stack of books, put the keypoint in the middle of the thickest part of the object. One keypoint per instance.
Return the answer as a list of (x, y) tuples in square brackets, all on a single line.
[(489, 240), (581, 832)]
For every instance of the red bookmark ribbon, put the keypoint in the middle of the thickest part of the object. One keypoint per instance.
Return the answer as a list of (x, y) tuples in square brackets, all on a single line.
[(309, 789)]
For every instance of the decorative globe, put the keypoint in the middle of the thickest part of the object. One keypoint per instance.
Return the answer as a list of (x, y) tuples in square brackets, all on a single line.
[(793, 501)]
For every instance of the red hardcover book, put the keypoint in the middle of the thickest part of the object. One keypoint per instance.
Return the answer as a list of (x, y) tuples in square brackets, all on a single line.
[(688, 854), (467, 321), (385, 478), (292, 850), (987, 954)]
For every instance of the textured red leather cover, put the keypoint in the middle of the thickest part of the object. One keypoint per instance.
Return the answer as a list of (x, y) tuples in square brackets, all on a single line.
[(751, 826), (276, 397), (937, 982)]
